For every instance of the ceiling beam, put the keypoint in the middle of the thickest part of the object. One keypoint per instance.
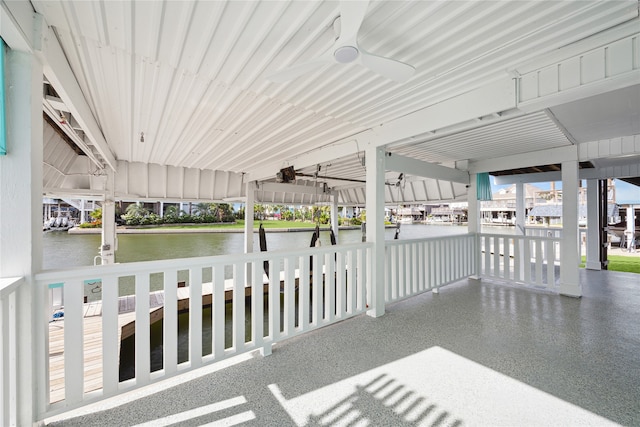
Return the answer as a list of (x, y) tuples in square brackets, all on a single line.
[(59, 74), (398, 163), (525, 160), (277, 187), (21, 22)]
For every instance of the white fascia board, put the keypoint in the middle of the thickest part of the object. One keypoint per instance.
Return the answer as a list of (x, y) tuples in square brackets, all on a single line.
[(58, 72), (628, 79), (80, 193), (626, 146), (17, 25), (524, 160), (277, 187), (415, 167), (527, 178), (624, 171)]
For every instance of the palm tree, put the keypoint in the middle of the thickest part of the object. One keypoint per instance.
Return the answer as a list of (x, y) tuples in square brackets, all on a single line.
[(203, 209), (258, 211), (172, 211), (136, 209)]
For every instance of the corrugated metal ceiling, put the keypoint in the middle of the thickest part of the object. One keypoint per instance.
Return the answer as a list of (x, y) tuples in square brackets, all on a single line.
[(190, 75)]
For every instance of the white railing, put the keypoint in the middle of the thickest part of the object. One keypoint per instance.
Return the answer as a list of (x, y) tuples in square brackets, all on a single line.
[(555, 232), (582, 241), (285, 304), (415, 266), (523, 259), (9, 288)]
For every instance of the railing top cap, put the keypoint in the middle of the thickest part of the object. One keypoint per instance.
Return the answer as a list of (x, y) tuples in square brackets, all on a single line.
[(186, 263)]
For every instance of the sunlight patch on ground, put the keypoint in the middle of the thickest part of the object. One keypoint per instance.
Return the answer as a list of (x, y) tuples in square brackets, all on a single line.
[(433, 387)]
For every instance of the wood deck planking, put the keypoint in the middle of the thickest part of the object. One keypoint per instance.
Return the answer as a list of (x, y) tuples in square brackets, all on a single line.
[(92, 332)]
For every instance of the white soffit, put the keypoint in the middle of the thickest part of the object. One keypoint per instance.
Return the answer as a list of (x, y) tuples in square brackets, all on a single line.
[(605, 116), (514, 136)]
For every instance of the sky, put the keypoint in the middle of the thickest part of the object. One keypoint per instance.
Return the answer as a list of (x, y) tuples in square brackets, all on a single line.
[(625, 193)]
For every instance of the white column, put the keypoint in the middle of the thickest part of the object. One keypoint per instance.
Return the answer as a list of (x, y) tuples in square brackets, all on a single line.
[(375, 164), (109, 240), (473, 209), (631, 227), (593, 225), (248, 226), (570, 252), (334, 214), (20, 221), (473, 218), (248, 217), (83, 212), (520, 209), (161, 209)]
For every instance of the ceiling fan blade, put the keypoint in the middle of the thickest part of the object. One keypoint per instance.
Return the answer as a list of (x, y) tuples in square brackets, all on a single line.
[(298, 70), (351, 16), (387, 67)]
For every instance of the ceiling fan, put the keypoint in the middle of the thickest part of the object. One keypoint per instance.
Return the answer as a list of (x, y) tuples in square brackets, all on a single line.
[(345, 50)]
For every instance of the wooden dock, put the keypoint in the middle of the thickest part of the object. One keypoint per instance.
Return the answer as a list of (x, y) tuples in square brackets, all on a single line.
[(126, 327)]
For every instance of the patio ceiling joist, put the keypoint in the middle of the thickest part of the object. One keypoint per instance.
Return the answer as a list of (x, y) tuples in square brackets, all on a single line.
[(31, 33)]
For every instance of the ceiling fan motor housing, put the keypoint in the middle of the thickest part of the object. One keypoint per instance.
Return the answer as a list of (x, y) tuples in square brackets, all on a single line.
[(346, 54)]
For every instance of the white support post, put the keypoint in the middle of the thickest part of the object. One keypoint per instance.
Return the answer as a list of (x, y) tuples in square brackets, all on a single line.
[(21, 226), (375, 164), (334, 214), (161, 209), (109, 243), (569, 277), (83, 212), (593, 225), (473, 213), (520, 209), (473, 218), (629, 232), (248, 224)]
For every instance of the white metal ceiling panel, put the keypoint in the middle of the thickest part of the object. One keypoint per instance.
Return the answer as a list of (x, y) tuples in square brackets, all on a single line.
[(189, 78)]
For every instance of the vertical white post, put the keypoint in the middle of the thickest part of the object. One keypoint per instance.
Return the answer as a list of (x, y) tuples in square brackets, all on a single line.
[(593, 225), (161, 210), (520, 209), (334, 214), (248, 218), (248, 225), (375, 164), (21, 226), (83, 211), (629, 232), (569, 280), (473, 213), (109, 240), (473, 220)]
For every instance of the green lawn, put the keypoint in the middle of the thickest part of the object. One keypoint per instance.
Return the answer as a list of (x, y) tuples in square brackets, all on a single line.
[(628, 264), (239, 224)]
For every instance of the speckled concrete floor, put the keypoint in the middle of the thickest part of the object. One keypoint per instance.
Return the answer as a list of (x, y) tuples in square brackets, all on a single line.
[(478, 353)]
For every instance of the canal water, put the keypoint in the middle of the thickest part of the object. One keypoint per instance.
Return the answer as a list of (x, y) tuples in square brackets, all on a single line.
[(63, 250)]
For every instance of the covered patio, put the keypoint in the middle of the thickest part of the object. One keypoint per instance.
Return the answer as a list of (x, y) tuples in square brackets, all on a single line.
[(477, 353), (279, 102)]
